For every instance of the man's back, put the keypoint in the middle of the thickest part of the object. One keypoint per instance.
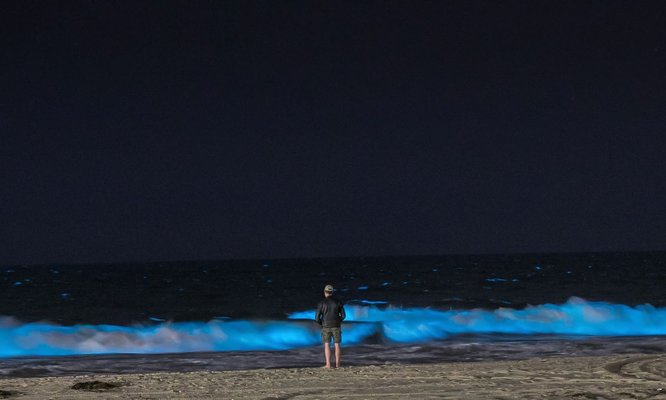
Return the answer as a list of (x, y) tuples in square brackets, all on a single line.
[(330, 312)]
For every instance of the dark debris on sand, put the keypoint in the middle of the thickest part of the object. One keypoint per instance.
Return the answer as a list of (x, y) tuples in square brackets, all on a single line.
[(95, 386), (5, 394)]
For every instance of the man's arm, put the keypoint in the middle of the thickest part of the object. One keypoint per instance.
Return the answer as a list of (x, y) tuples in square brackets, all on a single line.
[(318, 314), (343, 315)]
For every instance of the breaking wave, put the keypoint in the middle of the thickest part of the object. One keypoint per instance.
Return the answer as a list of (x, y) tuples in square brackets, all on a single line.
[(364, 323)]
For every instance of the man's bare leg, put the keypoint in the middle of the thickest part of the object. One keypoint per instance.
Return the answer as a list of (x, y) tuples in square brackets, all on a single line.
[(338, 352), (327, 354)]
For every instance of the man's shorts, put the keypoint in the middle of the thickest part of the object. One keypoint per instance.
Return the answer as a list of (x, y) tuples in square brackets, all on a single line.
[(328, 333)]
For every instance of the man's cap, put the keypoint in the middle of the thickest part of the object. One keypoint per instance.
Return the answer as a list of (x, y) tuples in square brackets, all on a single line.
[(328, 288)]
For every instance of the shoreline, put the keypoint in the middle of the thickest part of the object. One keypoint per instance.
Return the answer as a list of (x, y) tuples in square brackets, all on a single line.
[(584, 377)]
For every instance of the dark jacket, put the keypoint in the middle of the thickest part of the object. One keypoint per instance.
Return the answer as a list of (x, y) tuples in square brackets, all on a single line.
[(330, 312)]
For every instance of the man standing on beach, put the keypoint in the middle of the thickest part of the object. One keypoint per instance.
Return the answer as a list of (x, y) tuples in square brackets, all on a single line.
[(330, 314)]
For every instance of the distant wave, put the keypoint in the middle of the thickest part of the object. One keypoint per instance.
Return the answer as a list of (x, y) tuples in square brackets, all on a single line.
[(385, 323)]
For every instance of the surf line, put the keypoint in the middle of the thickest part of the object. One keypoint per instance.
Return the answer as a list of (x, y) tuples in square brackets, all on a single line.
[(391, 324)]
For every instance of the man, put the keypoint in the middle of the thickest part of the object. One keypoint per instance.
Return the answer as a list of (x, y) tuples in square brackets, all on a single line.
[(330, 314)]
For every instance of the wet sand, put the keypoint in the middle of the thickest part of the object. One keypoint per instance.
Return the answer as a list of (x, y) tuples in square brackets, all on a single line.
[(636, 376)]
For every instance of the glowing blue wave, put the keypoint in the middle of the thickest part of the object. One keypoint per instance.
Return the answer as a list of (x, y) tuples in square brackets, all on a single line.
[(53, 340), (577, 317)]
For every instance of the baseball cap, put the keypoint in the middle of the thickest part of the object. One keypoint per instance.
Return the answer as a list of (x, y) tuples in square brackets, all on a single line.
[(328, 288)]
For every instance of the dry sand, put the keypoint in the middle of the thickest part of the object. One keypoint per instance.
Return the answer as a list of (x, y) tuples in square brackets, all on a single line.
[(616, 377)]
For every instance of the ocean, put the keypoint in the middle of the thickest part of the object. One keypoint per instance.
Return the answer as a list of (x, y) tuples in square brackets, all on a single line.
[(238, 314)]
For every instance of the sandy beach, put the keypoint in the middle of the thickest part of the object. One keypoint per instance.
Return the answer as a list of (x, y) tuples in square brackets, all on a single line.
[(635, 376)]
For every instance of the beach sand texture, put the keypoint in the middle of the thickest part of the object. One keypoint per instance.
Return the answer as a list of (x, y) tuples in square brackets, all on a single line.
[(611, 377)]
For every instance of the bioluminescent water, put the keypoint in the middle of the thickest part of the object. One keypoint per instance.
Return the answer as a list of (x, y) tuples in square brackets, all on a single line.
[(258, 313), (364, 324)]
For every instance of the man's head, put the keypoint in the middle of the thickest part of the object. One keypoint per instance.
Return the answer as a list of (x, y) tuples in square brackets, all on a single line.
[(328, 290)]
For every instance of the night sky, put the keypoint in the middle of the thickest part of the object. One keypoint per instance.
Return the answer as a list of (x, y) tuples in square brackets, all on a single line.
[(165, 131)]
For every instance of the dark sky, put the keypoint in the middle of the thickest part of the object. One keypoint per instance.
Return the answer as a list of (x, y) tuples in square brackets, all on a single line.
[(144, 131)]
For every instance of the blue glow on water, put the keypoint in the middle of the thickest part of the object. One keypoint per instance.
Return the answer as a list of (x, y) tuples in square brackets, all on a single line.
[(390, 324), (575, 317), (45, 339), (370, 302), (495, 280)]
